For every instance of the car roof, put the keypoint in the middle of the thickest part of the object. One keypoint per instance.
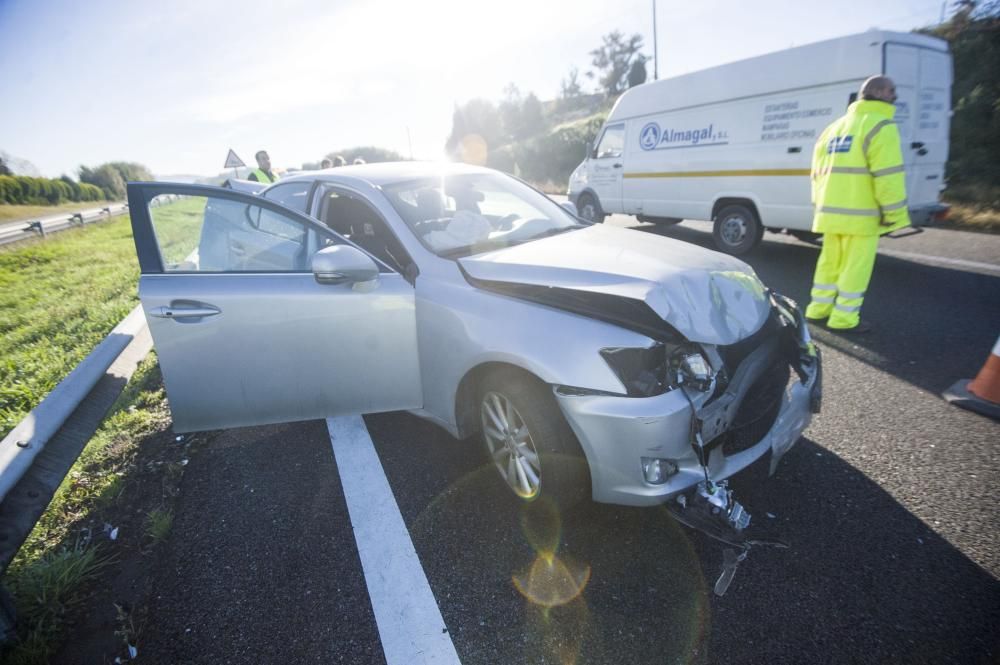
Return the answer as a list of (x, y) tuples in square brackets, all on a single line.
[(384, 173)]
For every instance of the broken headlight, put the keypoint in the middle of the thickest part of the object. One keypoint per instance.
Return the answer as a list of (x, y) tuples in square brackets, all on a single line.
[(643, 372), (689, 367)]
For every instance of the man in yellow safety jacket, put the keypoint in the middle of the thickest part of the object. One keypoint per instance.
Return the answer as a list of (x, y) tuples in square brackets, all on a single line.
[(263, 171), (859, 191)]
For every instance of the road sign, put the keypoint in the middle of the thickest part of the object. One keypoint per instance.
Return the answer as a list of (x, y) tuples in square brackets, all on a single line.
[(233, 160)]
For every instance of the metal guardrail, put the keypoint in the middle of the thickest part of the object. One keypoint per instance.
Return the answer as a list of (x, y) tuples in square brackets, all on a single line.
[(38, 453), (41, 227)]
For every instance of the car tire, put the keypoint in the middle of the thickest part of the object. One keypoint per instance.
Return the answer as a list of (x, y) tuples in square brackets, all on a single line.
[(589, 208), (522, 426), (736, 230)]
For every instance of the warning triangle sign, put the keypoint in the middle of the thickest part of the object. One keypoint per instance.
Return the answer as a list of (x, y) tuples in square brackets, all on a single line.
[(233, 160)]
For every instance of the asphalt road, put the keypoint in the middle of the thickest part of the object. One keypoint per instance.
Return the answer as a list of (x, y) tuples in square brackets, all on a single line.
[(889, 503)]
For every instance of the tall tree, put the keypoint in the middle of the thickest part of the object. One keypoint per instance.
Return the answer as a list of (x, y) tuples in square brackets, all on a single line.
[(637, 72), (613, 60)]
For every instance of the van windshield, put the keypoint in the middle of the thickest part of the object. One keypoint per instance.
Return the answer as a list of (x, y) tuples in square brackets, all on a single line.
[(458, 215)]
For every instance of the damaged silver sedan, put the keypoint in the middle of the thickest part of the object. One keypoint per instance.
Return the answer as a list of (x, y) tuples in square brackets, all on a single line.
[(585, 360)]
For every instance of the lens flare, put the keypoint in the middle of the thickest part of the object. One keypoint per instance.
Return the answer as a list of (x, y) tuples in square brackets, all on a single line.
[(551, 581), (473, 150)]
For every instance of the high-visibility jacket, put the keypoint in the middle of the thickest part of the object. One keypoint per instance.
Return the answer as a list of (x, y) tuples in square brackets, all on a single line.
[(262, 176), (857, 173)]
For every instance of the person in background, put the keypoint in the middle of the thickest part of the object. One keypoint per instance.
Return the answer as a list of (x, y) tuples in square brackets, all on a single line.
[(326, 163), (339, 161), (859, 191), (359, 160), (263, 171)]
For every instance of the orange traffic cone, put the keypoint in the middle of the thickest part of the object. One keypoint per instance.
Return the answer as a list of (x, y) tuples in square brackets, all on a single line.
[(982, 394)]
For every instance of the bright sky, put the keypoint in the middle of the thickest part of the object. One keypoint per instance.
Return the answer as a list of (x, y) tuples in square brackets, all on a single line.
[(175, 85)]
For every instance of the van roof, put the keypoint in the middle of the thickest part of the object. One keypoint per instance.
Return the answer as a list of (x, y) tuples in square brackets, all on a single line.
[(850, 58)]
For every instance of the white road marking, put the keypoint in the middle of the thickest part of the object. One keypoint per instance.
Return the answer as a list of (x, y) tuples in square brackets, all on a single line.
[(941, 260), (409, 621)]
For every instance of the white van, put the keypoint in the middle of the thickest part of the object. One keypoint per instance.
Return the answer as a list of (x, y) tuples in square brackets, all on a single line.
[(733, 143)]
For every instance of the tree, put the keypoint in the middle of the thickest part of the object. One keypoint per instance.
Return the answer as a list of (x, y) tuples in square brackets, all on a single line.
[(570, 87), (973, 35), (3, 168), (613, 59), (510, 112), (637, 73), (532, 118), (105, 177), (477, 117)]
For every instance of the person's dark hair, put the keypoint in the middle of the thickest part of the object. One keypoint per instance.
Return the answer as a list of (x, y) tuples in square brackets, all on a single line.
[(259, 153)]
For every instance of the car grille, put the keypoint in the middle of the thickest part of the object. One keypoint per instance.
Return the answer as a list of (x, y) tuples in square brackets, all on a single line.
[(758, 411)]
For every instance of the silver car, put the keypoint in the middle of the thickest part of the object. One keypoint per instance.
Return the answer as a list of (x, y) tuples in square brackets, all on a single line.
[(588, 360)]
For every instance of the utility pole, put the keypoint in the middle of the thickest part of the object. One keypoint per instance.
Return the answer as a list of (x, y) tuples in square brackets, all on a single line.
[(656, 54)]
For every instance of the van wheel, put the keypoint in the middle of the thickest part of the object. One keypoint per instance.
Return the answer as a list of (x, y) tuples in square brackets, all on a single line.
[(589, 209), (737, 229), (529, 442)]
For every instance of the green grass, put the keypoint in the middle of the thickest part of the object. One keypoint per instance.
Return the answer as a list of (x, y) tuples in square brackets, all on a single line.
[(45, 593), (48, 576), (14, 213), (158, 523), (60, 296)]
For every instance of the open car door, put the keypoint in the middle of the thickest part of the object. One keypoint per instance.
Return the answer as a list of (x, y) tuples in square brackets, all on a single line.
[(246, 332)]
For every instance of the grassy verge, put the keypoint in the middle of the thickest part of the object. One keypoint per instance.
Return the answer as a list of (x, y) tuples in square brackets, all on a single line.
[(974, 217), (70, 547), (59, 297), (14, 213)]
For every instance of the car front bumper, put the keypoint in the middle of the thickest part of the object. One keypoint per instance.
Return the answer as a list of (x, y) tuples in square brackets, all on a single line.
[(616, 432)]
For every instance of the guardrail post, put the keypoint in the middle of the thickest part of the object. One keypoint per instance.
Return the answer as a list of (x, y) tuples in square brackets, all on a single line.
[(77, 218), (37, 227)]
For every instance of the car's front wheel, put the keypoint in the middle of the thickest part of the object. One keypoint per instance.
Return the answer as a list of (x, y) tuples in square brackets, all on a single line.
[(529, 442), (589, 208)]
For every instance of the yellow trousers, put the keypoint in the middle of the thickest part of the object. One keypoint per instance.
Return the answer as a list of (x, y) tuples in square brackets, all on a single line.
[(843, 271)]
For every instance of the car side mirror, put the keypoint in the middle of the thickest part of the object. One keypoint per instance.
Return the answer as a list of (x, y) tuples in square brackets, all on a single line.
[(343, 264)]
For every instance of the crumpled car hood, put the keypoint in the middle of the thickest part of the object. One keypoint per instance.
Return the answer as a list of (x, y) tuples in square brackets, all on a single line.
[(706, 296)]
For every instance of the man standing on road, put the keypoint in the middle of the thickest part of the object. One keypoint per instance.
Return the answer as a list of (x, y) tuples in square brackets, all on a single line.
[(263, 171), (859, 191)]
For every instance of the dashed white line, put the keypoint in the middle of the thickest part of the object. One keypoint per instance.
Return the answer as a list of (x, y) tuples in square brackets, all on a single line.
[(409, 622)]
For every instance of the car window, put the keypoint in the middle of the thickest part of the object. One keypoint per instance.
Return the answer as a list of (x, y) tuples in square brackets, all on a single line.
[(291, 194), (351, 217), (475, 212), (215, 234), (612, 142)]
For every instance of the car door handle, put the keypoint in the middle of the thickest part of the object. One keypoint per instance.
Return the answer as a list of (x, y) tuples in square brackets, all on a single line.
[(917, 145), (184, 312), (794, 149), (238, 249), (617, 166)]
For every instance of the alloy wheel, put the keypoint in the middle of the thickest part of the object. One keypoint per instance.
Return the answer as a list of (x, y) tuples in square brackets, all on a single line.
[(510, 445)]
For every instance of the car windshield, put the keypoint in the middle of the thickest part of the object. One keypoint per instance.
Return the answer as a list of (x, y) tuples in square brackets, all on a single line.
[(465, 214)]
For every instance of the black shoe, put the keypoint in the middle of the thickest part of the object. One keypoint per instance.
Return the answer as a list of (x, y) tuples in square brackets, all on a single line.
[(817, 322), (860, 329)]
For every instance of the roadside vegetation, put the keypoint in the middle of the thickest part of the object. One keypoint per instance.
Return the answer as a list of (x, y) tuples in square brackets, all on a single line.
[(59, 297), (14, 213), (91, 526)]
